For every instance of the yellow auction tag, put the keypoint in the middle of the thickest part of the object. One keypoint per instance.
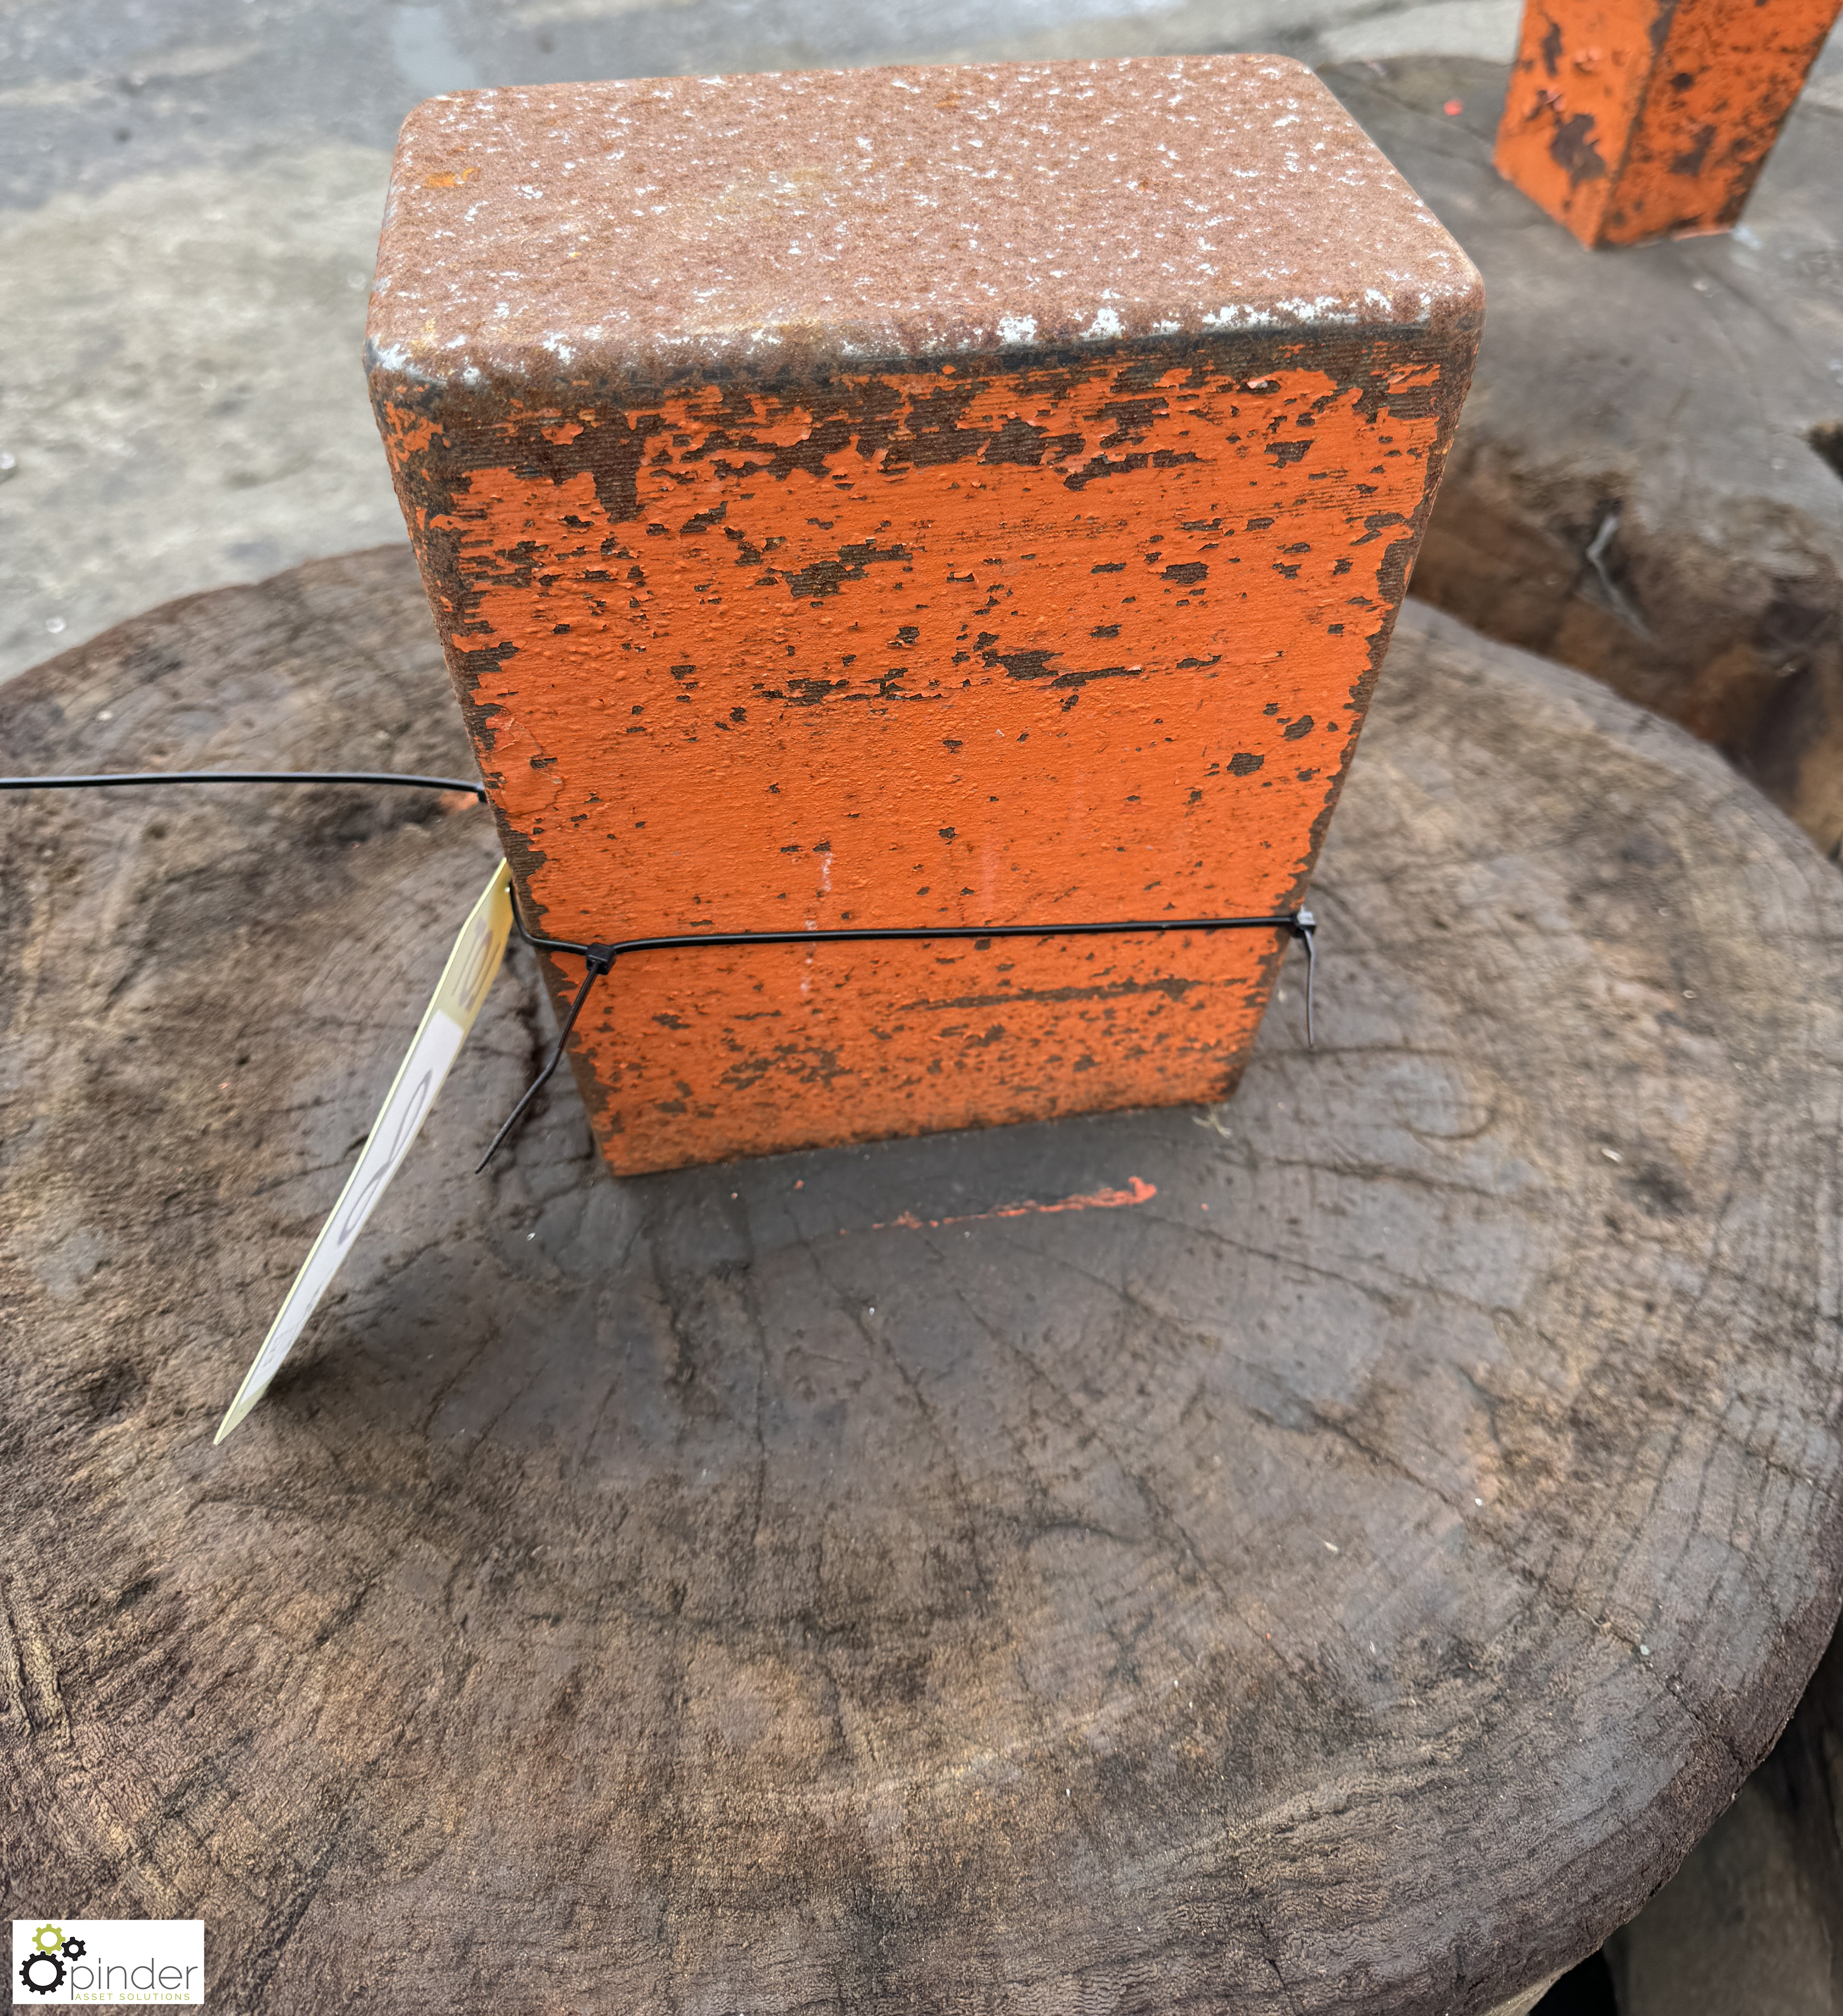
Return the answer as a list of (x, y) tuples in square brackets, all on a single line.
[(459, 996)]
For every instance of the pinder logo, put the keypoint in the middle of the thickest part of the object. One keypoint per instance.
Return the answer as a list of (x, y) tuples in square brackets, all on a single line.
[(108, 1960)]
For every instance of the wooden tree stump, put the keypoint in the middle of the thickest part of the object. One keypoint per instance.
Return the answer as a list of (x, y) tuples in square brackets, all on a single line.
[(1332, 1552)]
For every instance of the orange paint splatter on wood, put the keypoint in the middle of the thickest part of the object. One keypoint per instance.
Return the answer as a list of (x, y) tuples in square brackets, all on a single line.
[(1137, 1191), (1627, 120)]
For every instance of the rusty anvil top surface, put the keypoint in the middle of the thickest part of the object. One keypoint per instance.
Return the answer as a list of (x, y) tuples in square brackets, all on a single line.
[(674, 227)]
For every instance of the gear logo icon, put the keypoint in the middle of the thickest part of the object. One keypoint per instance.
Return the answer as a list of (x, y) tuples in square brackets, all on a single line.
[(47, 1938), (42, 1972), (73, 1948)]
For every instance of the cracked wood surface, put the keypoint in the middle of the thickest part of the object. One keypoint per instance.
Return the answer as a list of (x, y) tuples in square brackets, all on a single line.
[(1339, 1559)]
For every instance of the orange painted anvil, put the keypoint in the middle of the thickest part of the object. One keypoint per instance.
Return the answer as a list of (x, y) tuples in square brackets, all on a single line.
[(912, 498), (1634, 119)]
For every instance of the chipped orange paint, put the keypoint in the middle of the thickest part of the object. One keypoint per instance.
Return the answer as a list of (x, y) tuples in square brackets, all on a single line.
[(949, 496), (960, 646), (1628, 120)]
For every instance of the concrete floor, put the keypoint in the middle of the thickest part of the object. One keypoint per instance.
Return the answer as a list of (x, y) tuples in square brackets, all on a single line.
[(189, 198)]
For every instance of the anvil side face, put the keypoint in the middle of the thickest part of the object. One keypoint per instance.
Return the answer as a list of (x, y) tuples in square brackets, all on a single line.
[(912, 497)]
